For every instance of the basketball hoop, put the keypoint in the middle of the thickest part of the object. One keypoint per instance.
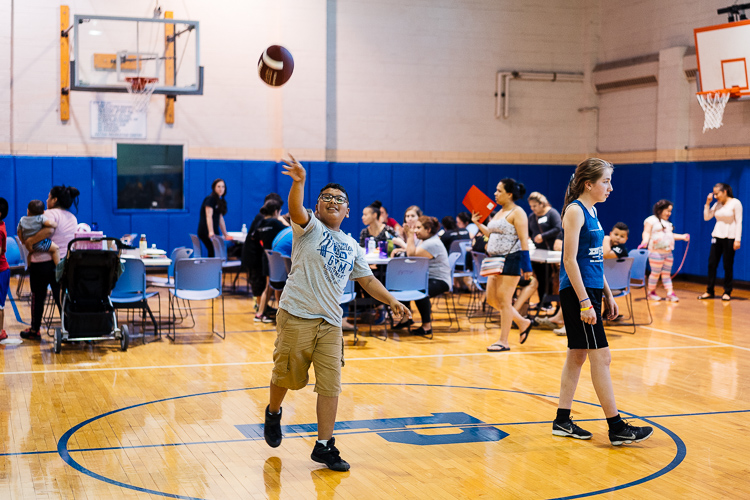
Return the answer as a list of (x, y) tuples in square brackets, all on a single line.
[(713, 104), (141, 89)]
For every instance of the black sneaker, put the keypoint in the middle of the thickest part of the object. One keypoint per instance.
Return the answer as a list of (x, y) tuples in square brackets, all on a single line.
[(329, 455), (569, 429), (630, 434), (272, 428)]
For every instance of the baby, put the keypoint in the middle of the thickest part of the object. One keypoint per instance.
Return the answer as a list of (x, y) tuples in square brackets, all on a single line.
[(32, 223), (614, 243)]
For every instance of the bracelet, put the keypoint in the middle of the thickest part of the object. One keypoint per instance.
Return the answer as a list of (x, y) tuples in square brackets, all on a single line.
[(584, 300), (583, 309)]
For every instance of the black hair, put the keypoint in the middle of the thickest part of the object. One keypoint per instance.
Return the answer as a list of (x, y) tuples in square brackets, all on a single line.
[(36, 207), (270, 207), (465, 217), (449, 223), (660, 206), (377, 205), (3, 208), (622, 227), (374, 208), (333, 185), (66, 196), (274, 196), (221, 205), (516, 189), (723, 186)]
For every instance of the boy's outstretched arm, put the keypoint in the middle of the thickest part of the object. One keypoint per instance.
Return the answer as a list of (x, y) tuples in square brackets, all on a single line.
[(296, 171)]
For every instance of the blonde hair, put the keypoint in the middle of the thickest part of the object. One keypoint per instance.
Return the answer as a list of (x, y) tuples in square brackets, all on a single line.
[(589, 170), (539, 198)]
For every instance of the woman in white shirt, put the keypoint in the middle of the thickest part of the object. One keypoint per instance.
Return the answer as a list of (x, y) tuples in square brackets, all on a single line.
[(725, 238), (658, 236)]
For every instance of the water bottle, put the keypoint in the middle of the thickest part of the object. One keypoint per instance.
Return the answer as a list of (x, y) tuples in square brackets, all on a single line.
[(383, 247), (94, 226), (143, 245), (371, 245), (244, 230)]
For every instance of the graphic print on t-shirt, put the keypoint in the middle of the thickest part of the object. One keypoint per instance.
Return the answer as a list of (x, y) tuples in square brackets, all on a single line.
[(338, 258)]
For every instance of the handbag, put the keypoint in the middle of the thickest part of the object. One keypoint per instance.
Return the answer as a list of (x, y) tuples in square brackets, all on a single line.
[(492, 266)]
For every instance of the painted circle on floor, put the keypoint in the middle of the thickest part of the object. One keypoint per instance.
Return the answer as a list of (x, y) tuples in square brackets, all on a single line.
[(394, 430)]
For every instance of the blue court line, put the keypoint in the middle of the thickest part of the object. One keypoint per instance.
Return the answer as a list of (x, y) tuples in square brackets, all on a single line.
[(365, 431), (64, 452)]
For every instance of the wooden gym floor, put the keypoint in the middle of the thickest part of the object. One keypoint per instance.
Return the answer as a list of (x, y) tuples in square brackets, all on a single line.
[(419, 418)]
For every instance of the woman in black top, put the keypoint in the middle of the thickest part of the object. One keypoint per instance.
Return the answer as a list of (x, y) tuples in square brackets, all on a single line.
[(214, 208), (544, 226)]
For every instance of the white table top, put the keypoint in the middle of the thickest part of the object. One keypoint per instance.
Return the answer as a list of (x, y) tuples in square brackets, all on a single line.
[(545, 256), (157, 261), (375, 258), (237, 236)]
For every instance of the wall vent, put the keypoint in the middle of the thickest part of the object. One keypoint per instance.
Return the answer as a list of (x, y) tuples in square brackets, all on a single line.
[(621, 84)]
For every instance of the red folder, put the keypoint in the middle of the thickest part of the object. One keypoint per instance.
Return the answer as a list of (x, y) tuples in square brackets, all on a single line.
[(476, 201)]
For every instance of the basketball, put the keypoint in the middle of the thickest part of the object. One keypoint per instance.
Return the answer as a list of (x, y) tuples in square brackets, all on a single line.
[(275, 66)]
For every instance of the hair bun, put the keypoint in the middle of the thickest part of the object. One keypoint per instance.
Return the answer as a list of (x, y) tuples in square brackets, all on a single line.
[(521, 189), (73, 192)]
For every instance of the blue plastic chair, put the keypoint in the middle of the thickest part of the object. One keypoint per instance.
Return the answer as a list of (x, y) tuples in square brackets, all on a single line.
[(407, 278), (197, 279), (220, 250), (453, 258), (617, 272), (638, 278), (178, 253), (197, 250), (480, 285), (350, 297), (278, 272), (130, 292)]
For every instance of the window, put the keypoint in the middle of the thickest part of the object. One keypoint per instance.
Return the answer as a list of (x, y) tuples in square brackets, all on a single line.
[(150, 177)]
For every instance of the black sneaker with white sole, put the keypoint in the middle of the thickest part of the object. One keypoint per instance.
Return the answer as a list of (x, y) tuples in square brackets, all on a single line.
[(630, 434), (272, 428), (569, 429), (330, 456)]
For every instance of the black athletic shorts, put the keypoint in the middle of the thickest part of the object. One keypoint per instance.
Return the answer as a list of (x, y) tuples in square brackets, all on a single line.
[(582, 335)]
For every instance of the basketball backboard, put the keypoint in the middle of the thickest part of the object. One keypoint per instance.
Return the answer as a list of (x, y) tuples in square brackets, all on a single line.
[(723, 52), (109, 50)]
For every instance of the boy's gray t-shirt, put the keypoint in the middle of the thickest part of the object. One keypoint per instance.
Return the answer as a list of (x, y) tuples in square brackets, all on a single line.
[(29, 225), (323, 261)]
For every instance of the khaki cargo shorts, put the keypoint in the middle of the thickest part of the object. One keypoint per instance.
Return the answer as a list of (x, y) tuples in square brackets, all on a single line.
[(300, 342)]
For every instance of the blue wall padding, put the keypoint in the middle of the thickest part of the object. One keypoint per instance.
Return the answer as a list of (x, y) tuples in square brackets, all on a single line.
[(437, 188)]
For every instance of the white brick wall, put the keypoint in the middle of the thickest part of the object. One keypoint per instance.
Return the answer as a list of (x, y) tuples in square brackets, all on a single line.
[(415, 80)]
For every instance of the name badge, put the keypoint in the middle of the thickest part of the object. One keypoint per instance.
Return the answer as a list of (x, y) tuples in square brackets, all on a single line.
[(542, 220)]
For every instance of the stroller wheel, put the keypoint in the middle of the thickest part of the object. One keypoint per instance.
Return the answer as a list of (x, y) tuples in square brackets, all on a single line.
[(58, 341), (124, 338)]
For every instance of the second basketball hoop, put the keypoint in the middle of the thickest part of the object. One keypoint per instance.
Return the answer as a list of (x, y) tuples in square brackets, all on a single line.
[(141, 89)]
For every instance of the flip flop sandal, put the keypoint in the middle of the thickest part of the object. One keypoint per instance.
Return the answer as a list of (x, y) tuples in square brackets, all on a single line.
[(497, 347)]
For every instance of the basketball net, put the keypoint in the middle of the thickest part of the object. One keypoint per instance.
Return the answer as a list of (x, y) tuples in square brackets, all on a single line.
[(713, 104), (141, 89)]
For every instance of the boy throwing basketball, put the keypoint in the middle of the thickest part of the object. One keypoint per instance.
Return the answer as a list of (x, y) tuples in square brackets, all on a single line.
[(308, 323)]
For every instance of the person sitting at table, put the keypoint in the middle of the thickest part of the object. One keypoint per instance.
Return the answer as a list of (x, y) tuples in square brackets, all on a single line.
[(376, 229), (213, 208), (439, 274), (264, 235), (463, 221), (388, 221), (544, 226), (453, 232)]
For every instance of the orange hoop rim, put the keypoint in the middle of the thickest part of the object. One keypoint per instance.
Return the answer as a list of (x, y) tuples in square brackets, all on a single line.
[(138, 83), (734, 92)]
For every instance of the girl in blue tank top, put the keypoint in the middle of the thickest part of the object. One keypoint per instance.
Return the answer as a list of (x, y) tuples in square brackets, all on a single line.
[(590, 255), (583, 291)]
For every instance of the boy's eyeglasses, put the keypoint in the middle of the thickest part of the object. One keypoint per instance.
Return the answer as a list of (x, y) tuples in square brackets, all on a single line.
[(328, 198)]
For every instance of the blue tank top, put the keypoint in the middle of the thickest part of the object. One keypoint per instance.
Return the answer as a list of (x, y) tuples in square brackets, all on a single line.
[(590, 256)]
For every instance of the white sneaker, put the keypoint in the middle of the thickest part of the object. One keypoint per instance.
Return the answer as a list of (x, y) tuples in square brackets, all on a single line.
[(672, 298), (560, 332), (654, 297)]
